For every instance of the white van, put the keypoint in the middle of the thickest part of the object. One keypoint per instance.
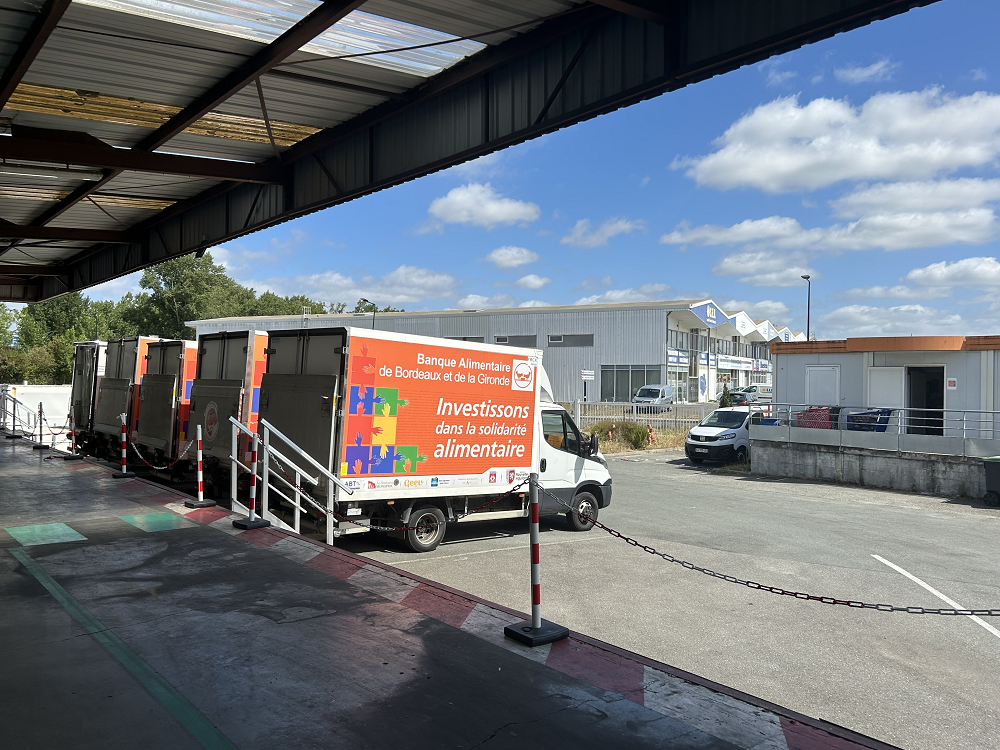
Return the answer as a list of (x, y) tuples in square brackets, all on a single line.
[(724, 435), (656, 396), (762, 392)]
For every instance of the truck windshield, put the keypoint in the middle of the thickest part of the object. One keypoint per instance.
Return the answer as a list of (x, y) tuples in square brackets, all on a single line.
[(648, 393), (724, 419)]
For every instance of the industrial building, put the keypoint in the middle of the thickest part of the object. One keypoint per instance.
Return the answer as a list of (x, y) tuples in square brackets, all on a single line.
[(693, 345)]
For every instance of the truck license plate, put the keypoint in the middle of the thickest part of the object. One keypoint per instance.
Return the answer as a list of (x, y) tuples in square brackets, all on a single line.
[(701, 450)]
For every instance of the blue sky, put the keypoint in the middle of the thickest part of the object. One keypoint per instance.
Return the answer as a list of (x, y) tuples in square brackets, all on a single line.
[(870, 161)]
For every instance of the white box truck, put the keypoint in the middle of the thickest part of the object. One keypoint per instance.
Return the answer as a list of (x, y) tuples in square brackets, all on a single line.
[(427, 430)]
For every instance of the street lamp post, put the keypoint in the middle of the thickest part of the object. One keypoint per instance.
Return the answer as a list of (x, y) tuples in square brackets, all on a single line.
[(374, 310), (809, 289)]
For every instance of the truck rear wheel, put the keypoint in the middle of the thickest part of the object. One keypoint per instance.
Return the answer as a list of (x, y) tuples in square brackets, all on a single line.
[(583, 504), (427, 526)]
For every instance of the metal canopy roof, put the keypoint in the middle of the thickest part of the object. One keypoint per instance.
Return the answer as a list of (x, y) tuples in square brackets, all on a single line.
[(134, 131)]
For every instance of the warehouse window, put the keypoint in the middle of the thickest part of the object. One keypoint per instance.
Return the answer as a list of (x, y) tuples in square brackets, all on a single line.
[(571, 339), (529, 342), (620, 382), (475, 339)]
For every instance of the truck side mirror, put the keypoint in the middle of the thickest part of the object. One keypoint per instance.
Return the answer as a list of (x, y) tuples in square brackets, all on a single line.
[(593, 444)]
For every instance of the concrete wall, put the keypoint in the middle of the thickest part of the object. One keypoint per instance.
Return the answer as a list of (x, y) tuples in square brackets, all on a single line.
[(931, 474)]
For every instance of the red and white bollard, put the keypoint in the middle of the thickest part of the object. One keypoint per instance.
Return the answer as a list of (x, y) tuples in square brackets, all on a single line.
[(40, 445), (73, 455), (201, 502), (124, 473), (536, 631), (251, 521)]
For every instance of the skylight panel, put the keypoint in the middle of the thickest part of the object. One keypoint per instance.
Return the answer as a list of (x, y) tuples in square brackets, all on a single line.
[(265, 20)]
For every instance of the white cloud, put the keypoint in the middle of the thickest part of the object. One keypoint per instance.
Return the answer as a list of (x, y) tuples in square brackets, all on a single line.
[(979, 74), (488, 165), (899, 291), (482, 302), (509, 256), (405, 285), (922, 197), (773, 73), (116, 288), (534, 303), (783, 146), (898, 231), (767, 268), (974, 272), (766, 308), (644, 293), (532, 281), (904, 320), (594, 282), (583, 236), (479, 205), (878, 71)]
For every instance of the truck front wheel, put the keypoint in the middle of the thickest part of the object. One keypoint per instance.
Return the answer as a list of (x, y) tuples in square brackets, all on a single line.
[(426, 529), (584, 504)]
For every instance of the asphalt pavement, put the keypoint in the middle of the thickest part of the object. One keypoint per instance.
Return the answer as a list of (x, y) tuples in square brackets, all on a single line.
[(916, 680)]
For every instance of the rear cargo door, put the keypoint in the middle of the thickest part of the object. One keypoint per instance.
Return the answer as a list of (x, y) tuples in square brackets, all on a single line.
[(157, 412), (112, 401), (213, 402), (303, 408)]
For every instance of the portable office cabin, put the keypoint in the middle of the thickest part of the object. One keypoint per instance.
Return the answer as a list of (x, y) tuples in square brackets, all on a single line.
[(227, 384), (126, 364), (164, 395), (915, 374), (89, 363)]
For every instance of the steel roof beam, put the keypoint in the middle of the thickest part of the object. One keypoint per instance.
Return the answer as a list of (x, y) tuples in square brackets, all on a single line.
[(329, 83), (108, 157), (17, 270), (18, 232), (325, 16), (41, 28), (646, 10)]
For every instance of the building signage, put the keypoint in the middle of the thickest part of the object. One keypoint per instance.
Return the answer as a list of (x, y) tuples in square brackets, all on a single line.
[(710, 313), (952, 384), (761, 365), (704, 361), (678, 357), (727, 362), (587, 374)]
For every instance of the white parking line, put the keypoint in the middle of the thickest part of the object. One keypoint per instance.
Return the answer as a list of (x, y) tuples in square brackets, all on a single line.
[(939, 595)]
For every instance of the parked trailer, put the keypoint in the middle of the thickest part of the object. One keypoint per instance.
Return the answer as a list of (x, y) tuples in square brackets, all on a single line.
[(161, 430), (118, 393), (227, 384), (425, 431), (89, 362)]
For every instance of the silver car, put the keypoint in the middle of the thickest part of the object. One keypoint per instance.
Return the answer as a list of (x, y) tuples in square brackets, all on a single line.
[(655, 398)]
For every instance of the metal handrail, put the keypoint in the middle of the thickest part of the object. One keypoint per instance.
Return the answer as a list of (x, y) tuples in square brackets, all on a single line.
[(30, 425), (322, 469), (285, 460)]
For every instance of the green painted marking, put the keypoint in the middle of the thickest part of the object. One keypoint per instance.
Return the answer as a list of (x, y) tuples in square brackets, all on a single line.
[(44, 533), (189, 717), (158, 521)]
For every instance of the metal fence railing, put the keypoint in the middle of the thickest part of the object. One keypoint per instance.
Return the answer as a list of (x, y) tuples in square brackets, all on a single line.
[(660, 416), (952, 431)]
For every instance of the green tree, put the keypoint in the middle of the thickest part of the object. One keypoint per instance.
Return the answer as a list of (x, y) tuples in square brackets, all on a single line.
[(726, 399), (8, 325), (363, 306)]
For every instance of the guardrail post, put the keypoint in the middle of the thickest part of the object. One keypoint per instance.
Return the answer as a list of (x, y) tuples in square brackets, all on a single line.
[(201, 502), (536, 631), (251, 521), (73, 455), (124, 473), (40, 445)]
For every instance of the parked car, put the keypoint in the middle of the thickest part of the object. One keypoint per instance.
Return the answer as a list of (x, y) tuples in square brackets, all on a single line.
[(762, 392), (724, 435), (656, 398), (742, 398)]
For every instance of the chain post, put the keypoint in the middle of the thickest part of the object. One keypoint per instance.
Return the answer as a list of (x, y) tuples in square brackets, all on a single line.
[(74, 455), (201, 502), (536, 631), (40, 445), (252, 521), (124, 473)]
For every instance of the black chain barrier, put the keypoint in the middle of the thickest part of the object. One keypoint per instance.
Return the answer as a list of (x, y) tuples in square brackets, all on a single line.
[(763, 586), (373, 527)]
